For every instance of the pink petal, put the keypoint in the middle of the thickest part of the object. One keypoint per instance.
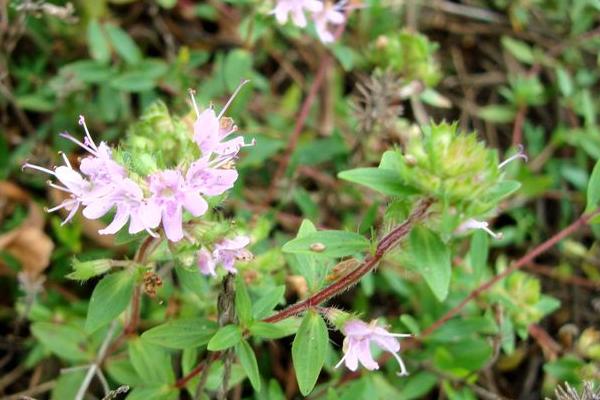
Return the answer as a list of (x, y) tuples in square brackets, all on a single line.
[(136, 223), (335, 17), (98, 208), (364, 355), (281, 12), (314, 6), (237, 243), (195, 204), (206, 131), (172, 223), (299, 18), (150, 213), (206, 263), (357, 328), (387, 343), (71, 179), (351, 357), (121, 217)]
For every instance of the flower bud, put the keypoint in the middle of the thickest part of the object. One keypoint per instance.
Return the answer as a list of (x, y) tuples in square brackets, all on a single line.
[(84, 270)]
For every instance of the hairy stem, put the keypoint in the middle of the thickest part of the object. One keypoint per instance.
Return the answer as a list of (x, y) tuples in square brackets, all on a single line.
[(345, 282), (384, 246)]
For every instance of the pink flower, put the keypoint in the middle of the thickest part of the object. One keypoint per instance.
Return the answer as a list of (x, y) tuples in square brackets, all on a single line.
[(99, 165), (329, 15), (357, 345), (171, 193), (296, 8), (73, 183), (211, 130), (211, 180), (226, 252), (128, 199)]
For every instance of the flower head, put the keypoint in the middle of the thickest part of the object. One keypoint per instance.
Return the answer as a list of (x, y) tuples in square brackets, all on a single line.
[(357, 345), (102, 184), (225, 252)]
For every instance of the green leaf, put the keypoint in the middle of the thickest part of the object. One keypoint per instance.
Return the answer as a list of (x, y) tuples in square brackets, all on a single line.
[(181, 333), (345, 55), (267, 302), (384, 181), (243, 304), (66, 341), (418, 385), (226, 337), (431, 258), (272, 330), (236, 68), (123, 44), (97, 43), (136, 81), (154, 392), (478, 252), (520, 50), (497, 113), (308, 351), (122, 371), (459, 329), (306, 264), (109, 299), (464, 356), (67, 385), (88, 71), (502, 189), (593, 189), (151, 363), (248, 361), (38, 102), (328, 243)]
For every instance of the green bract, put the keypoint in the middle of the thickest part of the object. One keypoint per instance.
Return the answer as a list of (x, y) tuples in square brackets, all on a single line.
[(157, 141)]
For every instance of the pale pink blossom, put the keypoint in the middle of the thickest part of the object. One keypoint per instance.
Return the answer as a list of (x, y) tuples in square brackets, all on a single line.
[(170, 195), (209, 178), (357, 345), (296, 9), (212, 131), (225, 253), (330, 15), (78, 188)]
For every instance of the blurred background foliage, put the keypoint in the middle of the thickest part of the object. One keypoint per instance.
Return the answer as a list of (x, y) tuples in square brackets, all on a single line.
[(517, 72)]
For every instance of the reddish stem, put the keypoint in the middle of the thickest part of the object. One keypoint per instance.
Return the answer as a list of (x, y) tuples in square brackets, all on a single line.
[(520, 263), (199, 368), (517, 133), (302, 116), (355, 275)]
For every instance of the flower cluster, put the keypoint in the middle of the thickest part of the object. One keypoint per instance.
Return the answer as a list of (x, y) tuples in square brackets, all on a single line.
[(323, 14), (159, 199)]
